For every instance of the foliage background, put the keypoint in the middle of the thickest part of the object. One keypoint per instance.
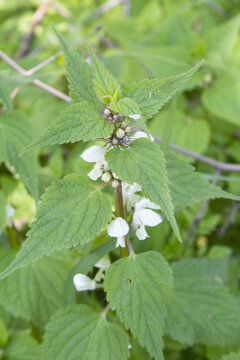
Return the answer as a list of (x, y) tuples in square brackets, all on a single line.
[(154, 38)]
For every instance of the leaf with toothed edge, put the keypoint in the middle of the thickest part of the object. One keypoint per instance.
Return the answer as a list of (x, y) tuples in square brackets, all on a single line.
[(71, 212), (138, 288), (79, 74), (30, 293), (80, 121), (152, 94), (79, 332), (105, 85), (144, 163), (15, 133)]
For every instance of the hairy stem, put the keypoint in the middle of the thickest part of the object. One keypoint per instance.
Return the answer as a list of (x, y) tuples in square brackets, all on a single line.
[(120, 212)]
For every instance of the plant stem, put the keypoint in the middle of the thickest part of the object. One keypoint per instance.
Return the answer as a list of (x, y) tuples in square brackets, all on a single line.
[(120, 212), (105, 311)]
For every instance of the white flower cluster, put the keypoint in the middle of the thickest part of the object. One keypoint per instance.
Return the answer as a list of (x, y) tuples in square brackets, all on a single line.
[(142, 216), (82, 282)]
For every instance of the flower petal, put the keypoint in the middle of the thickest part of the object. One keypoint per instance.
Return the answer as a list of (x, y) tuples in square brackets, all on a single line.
[(83, 282), (93, 154), (146, 217), (141, 233), (95, 173), (146, 203), (120, 241), (118, 227), (103, 263), (140, 134)]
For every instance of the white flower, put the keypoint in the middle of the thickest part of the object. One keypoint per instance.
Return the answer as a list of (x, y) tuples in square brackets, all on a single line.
[(129, 196), (103, 263), (9, 211), (140, 134), (118, 228), (146, 203), (135, 116), (95, 154), (83, 282), (145, 217)]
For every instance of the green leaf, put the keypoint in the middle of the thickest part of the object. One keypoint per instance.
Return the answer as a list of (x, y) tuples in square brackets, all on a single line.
[(71, 212), (23, 347), (138, 288), (3, 333), (144, 163), (80, 121), (78, 332), (182, 129), (35, 292), (227, 87), (222, 38), (5, 95), (15, 133), (232, 356), (188, 186), (128, 107), (106, 87), (2, 211), (151, 95), (201, 310), (80, 74), (84, 265)]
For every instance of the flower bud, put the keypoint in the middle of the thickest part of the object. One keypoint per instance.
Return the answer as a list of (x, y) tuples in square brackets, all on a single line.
[(127, 129), (120, 133), (115, 184), (106, 177), (115, 141), (106, 112), (110, 118), (115, 117), (121, 117)]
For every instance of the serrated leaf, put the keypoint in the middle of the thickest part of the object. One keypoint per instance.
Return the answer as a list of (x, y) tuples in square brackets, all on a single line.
[(138, 288), (23, 347), (78, 332), (144, 163), (71, 212), (80, 121), (5, 95), (128, 107), (15, 133), (79, 74), (105, 85), (35, 292), (232, 356), (151, 95), (188, 186), (201, 310)]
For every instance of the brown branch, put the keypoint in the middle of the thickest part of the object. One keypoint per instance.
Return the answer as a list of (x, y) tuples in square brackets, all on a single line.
[(37, 18), (230, 219), (36, 82), (216, 164)]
